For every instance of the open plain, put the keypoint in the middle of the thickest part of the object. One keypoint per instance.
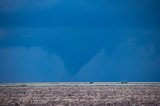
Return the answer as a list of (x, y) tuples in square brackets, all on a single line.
[(80, 94)]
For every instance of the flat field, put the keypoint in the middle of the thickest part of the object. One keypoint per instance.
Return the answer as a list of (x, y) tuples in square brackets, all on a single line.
[(80, 94)]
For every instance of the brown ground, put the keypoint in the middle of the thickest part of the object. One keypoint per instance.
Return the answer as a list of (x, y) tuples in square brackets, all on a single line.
[(80, 96)]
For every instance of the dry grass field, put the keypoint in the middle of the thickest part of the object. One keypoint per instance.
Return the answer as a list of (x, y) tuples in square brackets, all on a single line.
[(80, 95)]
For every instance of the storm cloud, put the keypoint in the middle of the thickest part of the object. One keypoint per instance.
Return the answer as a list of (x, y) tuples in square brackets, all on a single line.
[(68, 40)]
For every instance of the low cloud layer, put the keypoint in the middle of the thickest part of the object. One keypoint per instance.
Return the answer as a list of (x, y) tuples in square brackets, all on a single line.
[(10, 6), (80, 13)]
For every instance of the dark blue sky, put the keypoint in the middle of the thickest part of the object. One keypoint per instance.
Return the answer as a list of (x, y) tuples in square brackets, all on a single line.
[(82, 40)]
